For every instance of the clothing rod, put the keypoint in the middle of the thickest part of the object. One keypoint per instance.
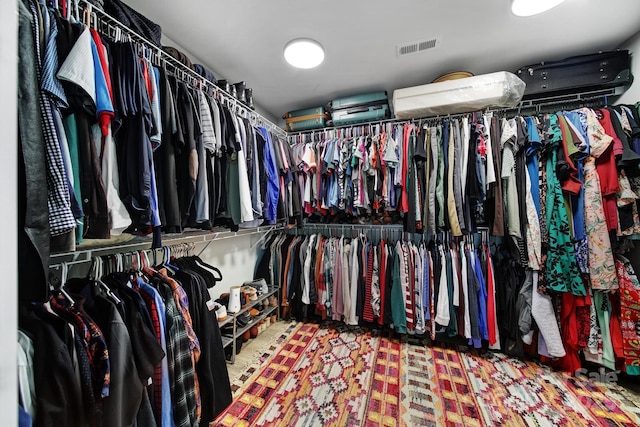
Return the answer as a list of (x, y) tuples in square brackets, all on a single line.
[(221, 234), (578, 96), (359, 226), (552, 106), (353, 125), (396, 229), (69, 263), (163, 56), (539, 103)]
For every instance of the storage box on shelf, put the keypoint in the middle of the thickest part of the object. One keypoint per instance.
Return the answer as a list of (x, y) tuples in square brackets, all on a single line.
[(238, 330)]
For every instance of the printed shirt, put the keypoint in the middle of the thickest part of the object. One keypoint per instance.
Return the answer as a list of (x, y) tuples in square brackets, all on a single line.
[(561, 267), (601, 264)]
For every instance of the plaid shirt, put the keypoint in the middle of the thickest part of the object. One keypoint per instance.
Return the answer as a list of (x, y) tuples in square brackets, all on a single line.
[(182, 302), (61, 219), (93, 342), (182, 375)]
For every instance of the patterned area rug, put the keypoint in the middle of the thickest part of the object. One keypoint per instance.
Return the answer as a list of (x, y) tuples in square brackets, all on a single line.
[(256, 357), (341, 376)]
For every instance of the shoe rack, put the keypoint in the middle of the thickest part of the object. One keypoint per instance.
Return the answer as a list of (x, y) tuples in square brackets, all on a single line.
[(239, 330)]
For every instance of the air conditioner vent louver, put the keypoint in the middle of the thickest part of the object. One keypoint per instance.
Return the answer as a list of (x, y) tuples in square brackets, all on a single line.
[(416, 47)]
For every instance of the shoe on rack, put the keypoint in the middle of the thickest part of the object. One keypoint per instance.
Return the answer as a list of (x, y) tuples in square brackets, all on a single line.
[(251, 291), (239, 89), (254, 331), (259, 284), (273, 301), (224, 85), (248, 94), (221, 311)]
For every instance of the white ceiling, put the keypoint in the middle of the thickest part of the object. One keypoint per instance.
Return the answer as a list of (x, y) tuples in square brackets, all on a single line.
[(244, 40)]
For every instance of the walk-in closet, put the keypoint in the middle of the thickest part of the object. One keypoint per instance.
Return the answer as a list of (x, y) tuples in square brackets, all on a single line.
[(295, 214)]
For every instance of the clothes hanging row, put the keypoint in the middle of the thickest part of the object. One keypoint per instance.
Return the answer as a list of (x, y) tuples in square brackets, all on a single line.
[(126, 146), (133, 343), (469, 290), (537, 106), (195, 75), (402, 171)]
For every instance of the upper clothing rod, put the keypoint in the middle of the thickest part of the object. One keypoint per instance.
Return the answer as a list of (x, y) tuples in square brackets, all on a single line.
[(233, 102), (600, 97)]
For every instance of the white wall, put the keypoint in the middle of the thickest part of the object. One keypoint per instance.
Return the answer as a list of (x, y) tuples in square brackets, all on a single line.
[(8, 215), (632, 95), (166, 41), (235, 257)]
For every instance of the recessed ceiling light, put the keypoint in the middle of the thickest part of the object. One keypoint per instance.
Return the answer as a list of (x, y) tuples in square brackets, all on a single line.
[(532, 7), (304, 53)]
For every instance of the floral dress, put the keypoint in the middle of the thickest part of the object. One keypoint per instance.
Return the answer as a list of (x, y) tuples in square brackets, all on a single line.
[(602, 270), (562, 272)]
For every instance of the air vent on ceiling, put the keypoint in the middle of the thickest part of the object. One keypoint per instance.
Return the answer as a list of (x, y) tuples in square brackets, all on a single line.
[(417, 47)]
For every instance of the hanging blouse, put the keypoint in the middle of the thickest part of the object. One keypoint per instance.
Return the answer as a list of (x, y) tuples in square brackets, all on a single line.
[(562, 271), (601, 265)]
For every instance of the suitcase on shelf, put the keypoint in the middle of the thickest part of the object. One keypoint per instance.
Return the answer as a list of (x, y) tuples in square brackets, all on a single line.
[(306, 119), (359, 115), (501, 89), (577, 73), (359, 108)]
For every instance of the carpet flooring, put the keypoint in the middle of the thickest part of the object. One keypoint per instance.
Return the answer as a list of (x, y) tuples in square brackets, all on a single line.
[(342, 376)]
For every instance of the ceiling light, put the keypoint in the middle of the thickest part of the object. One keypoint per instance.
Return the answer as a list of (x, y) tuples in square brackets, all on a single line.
[(532, 7), (304, 53)]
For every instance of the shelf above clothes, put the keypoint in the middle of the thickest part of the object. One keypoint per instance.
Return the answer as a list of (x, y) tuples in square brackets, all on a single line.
[(87, 251), (554, 103)]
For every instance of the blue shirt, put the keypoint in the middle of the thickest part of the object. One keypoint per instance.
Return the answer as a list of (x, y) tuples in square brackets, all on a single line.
[(482, 297), (273, 183), (532, 161), (426, 297)]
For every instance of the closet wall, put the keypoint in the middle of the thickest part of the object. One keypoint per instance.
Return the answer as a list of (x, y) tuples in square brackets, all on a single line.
[(8, 215), (236, 259), (633, 94), (167, 41)]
